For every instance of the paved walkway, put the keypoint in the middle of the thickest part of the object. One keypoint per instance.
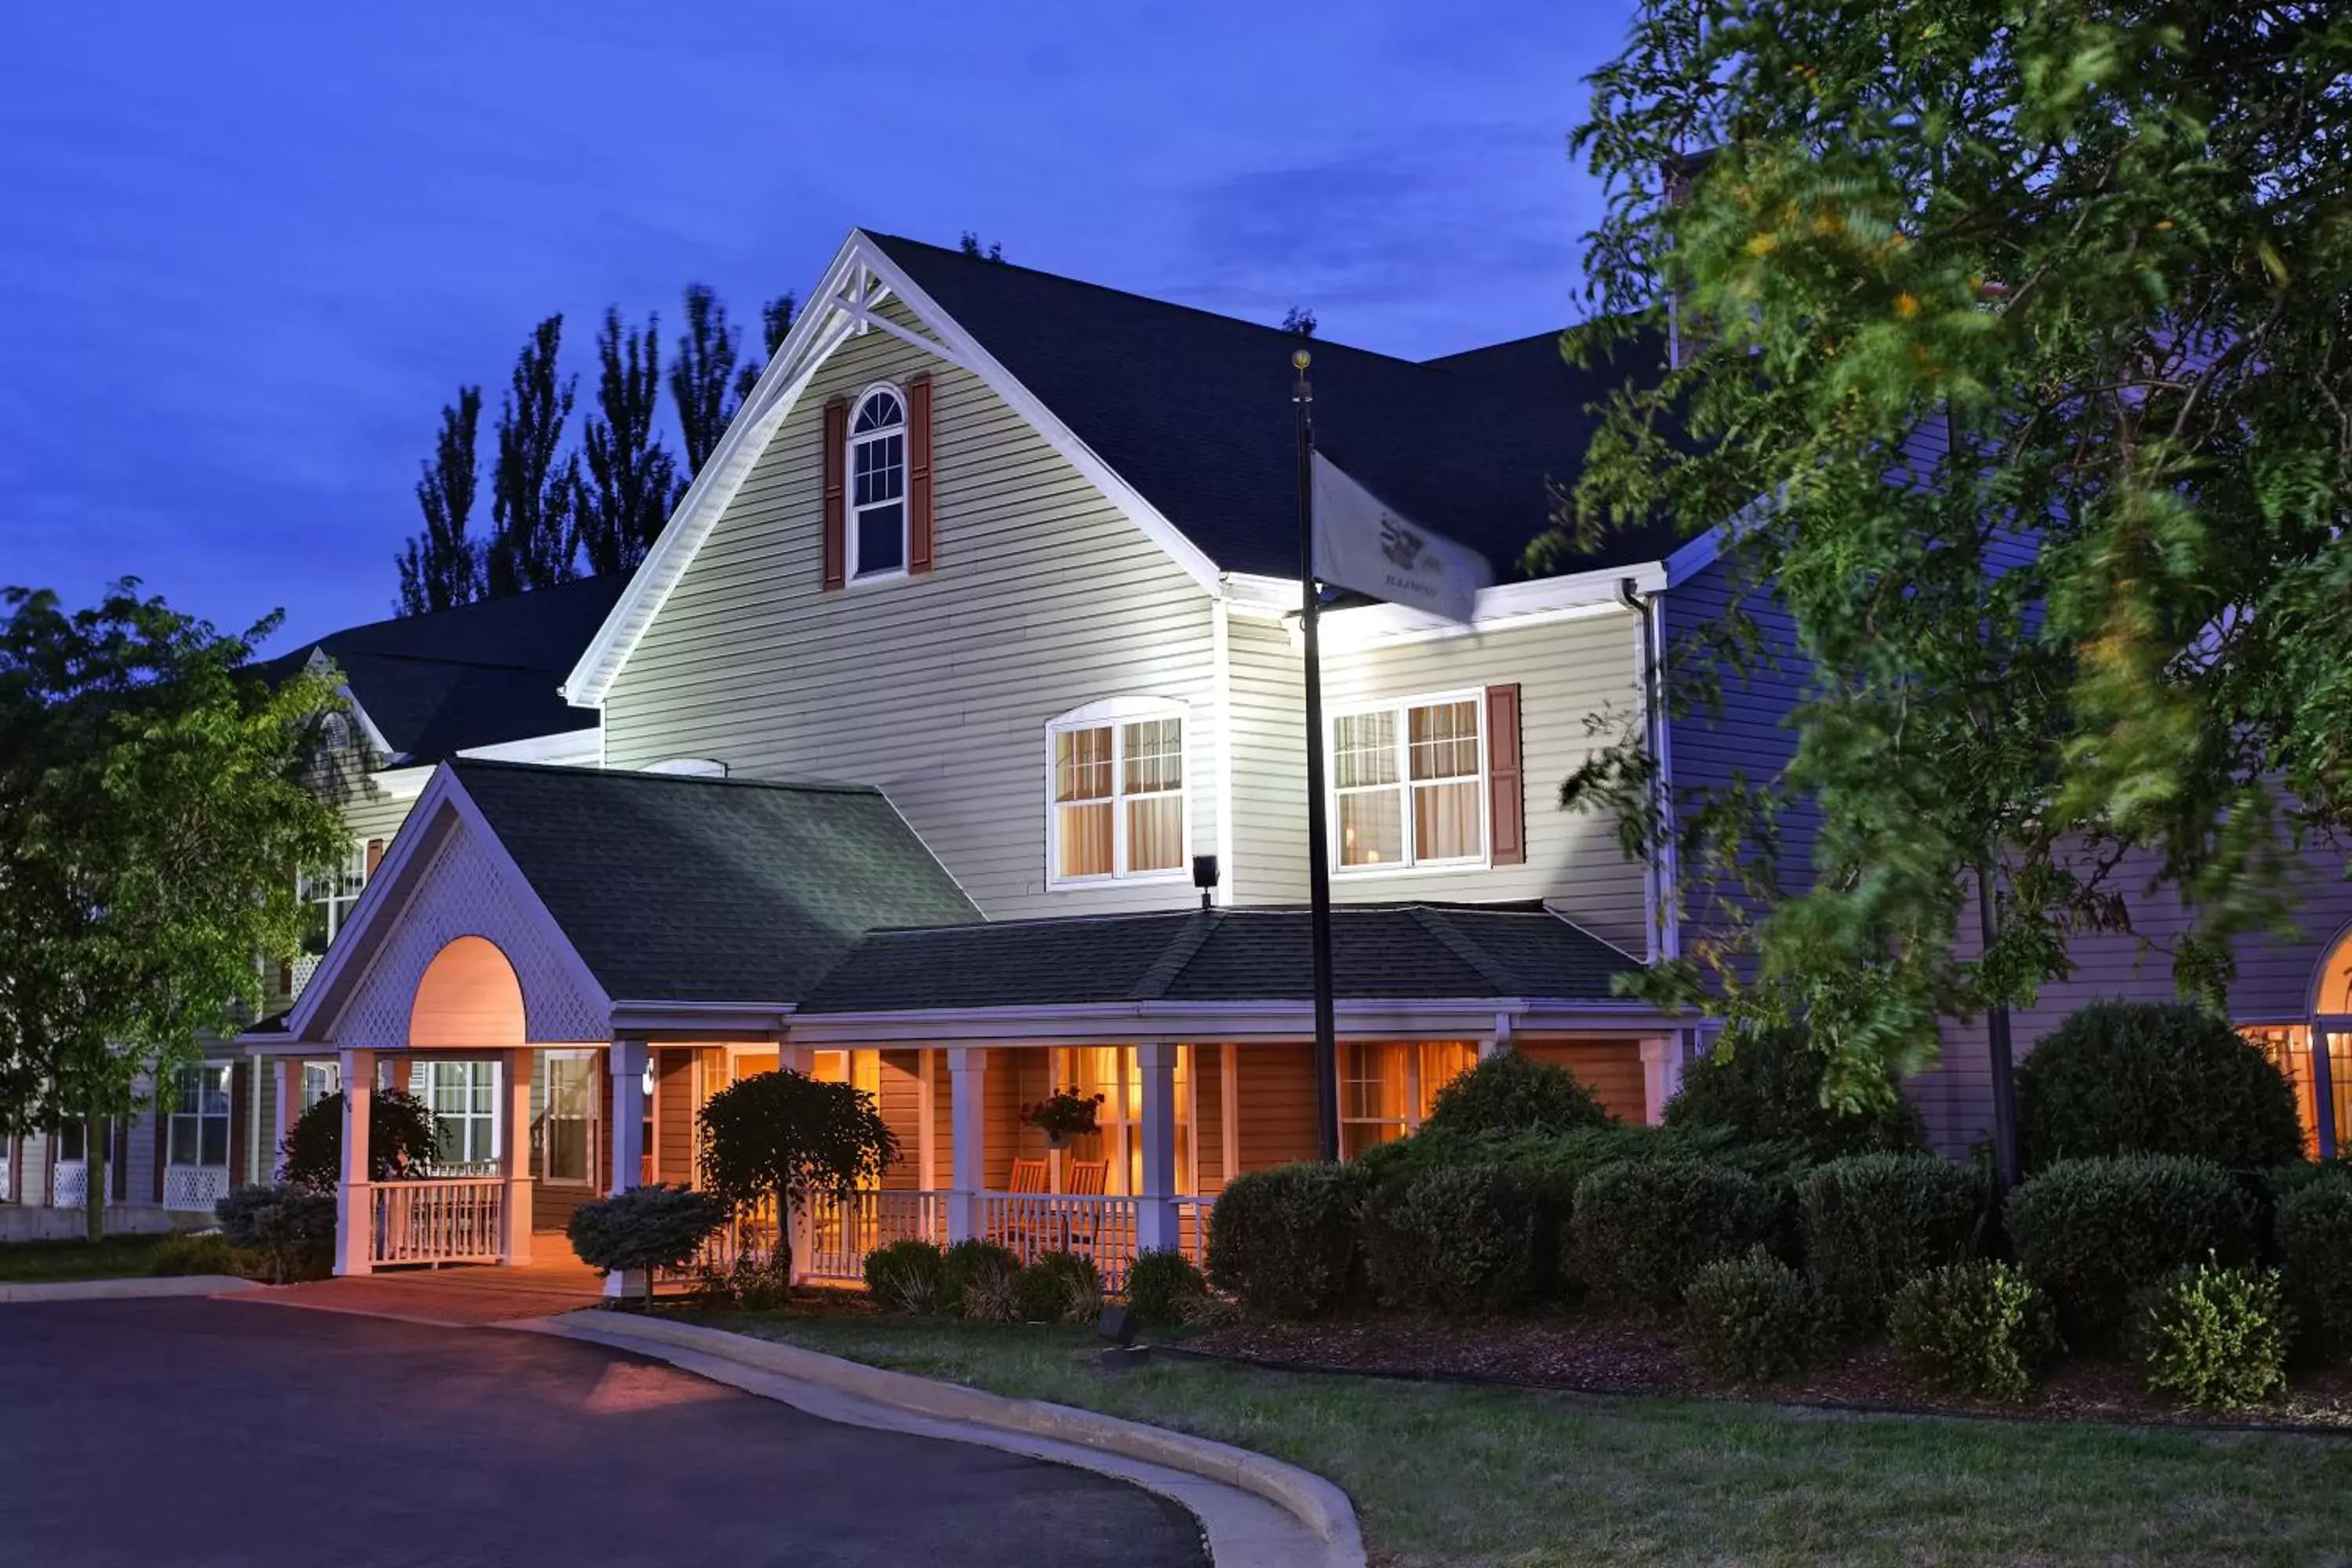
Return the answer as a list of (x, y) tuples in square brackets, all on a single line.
[(311, 1437), (455, 1296)]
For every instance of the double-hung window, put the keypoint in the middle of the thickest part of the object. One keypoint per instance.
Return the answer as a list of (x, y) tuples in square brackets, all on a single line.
[(877, 485), (464, 1097), (328, 898), (199, 1129), (1117, 795), (567, 1129), (1409, 784)]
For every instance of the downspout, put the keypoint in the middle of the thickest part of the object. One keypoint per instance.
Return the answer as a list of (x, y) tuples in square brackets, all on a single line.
[(1653, 890)]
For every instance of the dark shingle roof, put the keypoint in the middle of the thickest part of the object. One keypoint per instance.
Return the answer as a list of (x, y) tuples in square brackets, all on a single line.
[(1379, 953), (693, 890), (474, 676), (1193, 410)]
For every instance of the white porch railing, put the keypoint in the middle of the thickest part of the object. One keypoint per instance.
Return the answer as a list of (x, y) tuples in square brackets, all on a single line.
[(195, 1188), (1099, 1229), (1192, 1228), (837, 1235), (439, 1221), (748, 1239)]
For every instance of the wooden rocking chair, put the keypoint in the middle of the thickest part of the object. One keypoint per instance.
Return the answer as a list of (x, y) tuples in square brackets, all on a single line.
[(1085, 1179)]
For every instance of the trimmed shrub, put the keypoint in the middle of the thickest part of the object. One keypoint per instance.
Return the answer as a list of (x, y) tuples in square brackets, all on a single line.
[(1285, 1240), (1057, 1288), (2216, 1337), (644, 1229), (1162, 1285), (289, 1229), (1508, 1092), (2313, 1225), (976, 1279), (1643, 1229), (1980, 1328), (2139, 1078), (1767, 1088), (402, 1136), (1750, 1318), (1555, 1164), (904, 1276), (2091, 1232), (1872, 1221), (183, 1254), (1458, 1238)]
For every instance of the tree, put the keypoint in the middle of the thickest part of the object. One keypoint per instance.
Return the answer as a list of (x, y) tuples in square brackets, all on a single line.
[(2016, 337), (403, 1136), (775, 322), (969, 244), (632, 476), (644, 1229), (154, 807), (701, 379), (534, 500), (442, 568), (782, 1138), (1299, 321)]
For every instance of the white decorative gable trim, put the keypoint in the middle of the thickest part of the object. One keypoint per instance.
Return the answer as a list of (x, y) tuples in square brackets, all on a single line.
[(848, 302)]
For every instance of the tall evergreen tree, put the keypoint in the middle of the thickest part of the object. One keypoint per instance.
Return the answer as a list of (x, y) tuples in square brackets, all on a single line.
[(632, 476), (532, 500), (441, 568), (701, 379), (775, 322)]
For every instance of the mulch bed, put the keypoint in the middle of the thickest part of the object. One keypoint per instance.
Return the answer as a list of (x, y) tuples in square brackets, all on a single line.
[(1613, 1356)]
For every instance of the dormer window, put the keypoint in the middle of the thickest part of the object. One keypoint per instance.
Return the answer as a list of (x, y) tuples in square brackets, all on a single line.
[(877, 485)]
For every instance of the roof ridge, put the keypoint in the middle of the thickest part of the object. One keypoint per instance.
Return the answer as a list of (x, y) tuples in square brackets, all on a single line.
[(1434, 923), (474, 609), (1047, 921), (1173, 958)]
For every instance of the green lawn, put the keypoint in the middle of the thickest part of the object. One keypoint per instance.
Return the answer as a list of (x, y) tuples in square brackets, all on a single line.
[(43, 1262), (1522, 1478)]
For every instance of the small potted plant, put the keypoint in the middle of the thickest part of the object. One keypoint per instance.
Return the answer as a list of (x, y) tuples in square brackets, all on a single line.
[(1063, 1115)]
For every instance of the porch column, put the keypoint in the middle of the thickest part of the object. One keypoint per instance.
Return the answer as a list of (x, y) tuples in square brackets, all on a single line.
[(627, 1068), (1155, 1216), (354, 1199), (968, 1074), (289, 1097), (1662, 1075), (515, 1071)]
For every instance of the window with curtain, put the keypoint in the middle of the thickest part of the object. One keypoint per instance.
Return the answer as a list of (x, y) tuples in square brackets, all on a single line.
[(567, 1129), (1118, 799), (198, 1134), (1113, 1072), (1387, 1087), (877, 485), (464, 1097), (1409, 784)]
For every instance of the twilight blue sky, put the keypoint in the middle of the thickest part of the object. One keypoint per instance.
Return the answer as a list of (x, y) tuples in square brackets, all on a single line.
[(247, 250)]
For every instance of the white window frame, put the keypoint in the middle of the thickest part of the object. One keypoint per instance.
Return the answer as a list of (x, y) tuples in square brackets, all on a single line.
[(476, 1068), (850, 575), (596, 1120), (1401, 709), (339, 904), (226, 1116), (1116, 713)]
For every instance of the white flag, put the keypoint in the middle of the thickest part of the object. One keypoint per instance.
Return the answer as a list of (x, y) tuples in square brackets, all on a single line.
[(1361, 544)]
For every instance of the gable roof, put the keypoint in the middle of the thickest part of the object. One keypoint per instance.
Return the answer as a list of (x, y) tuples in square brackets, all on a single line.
[(480, 675), (1408, 951), (679, 888)]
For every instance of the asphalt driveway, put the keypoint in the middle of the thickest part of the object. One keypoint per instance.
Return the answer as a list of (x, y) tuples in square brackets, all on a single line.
[(200, 1432)]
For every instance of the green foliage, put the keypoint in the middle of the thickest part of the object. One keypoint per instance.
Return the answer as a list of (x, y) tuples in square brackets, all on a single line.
[(1768, 1087), (1458, 1238), (1161, 1287), (1057, 1288), (534, 535), (402, 1139), (976, 1279), (2313, 1227), (1557, 1163), (1510, 1092), (1750, 1318), (904, 1277), (1286, 1240), (782, 1138), (2136, 1078), (182, 1255), (441, 568), (2092, 1231), (1643, 1230), (289, 1227), (2216, 1337), (1872, 1221), (645, 1228), (1939, 266), (633, 480), (1980, 1328)]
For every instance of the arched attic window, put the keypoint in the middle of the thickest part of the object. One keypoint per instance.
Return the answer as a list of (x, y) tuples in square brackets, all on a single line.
[(877, 484)]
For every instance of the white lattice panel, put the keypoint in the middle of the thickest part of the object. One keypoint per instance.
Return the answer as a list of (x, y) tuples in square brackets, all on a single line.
[(7, 1180), (70, 1184), (464, 893), (195, 1188)]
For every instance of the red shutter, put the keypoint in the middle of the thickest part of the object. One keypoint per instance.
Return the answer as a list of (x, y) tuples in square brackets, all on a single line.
[(918, 474), (836, 452), (1507, 808), (375, 857)]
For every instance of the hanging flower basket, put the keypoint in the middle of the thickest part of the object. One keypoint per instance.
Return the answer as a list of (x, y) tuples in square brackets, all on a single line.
[(1063, 1115)]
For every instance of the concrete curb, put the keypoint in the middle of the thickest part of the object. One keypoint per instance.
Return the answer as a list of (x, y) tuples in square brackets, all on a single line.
[(1316, 1504), (137, 1289)]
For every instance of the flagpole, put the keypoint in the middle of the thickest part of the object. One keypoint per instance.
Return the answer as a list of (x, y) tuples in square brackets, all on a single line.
[(1318, 838)]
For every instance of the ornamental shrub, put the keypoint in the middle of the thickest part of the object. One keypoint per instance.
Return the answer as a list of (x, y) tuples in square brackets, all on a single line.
[(2313, 1225), (1766, 1088), (1057, 1288), (2139, 1078), (1458, 1238), (2091, 1232), (1508, 1092), (1870, 1221), (644, 1229), (1980, 1328), (183, 1254), (976, 1279), (2216, 1337), (290, 1230), (1749, 1318), (1642, 1230), (402, 1138), (904, 1276), (1162, 1286), (1285, 1240)]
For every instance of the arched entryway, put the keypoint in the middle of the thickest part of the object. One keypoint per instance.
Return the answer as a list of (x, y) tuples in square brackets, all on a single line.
[(2315, 1053)]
